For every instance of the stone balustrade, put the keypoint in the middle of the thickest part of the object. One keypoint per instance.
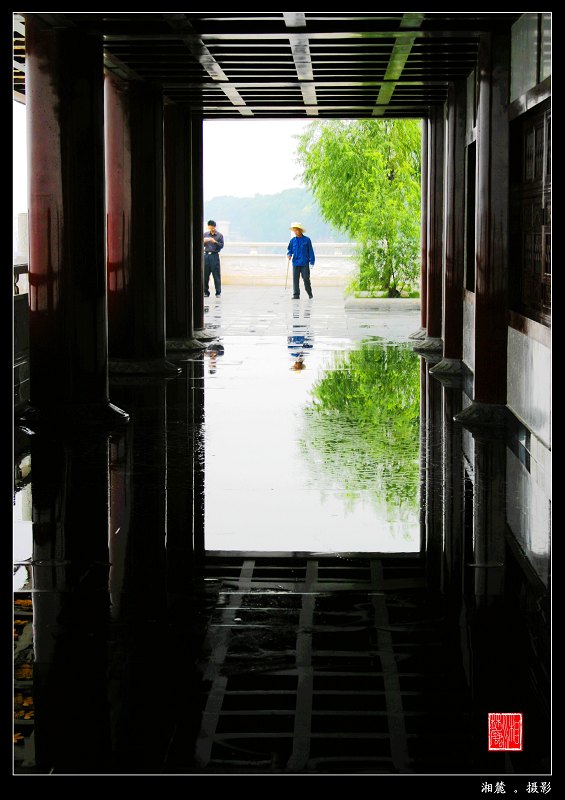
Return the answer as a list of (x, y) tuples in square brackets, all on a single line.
[(265, 263), (259, 263)]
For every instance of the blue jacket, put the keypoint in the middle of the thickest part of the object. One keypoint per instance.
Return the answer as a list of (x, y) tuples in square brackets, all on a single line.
[(301, 250)]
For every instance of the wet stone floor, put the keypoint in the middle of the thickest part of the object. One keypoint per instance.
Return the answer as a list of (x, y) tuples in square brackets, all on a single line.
[(311, 428), (265, 572)]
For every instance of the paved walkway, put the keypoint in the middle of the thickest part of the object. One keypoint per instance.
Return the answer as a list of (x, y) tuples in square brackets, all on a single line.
[(268, 311)]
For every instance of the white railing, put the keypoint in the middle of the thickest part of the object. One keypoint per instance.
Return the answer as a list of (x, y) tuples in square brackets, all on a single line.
[(266, 263), (244, 262)]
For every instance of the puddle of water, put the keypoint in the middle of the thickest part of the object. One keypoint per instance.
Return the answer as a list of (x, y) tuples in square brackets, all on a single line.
[(324, 459)]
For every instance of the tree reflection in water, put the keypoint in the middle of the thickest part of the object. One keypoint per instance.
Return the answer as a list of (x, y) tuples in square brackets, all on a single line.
[(361, 432)]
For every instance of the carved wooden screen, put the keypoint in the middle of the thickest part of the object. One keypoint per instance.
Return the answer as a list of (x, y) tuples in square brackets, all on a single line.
[(530, 222)]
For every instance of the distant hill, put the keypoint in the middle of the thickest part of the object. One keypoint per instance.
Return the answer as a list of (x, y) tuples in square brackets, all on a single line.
[(267, 217)]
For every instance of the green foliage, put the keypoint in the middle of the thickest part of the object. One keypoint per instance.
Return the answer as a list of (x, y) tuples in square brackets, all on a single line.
[(363, 426), (365, 175)]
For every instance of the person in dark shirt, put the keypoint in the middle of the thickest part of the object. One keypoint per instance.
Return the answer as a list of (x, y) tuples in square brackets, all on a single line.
[(213, 243), (301, 252)]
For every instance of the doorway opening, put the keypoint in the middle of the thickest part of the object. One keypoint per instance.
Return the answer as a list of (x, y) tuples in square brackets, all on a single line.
[(311, 418)]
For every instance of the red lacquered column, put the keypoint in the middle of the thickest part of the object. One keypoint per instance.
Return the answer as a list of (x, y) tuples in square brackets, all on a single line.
[(431, 344), (67, 265), (118, 207), (489, 392), (424, 227), (179, 230), (454, 244), (135, 209), (198, 223), (435, 230), (421, 333)]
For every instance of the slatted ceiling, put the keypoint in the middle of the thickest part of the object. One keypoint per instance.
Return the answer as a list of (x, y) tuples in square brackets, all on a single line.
[(251, 61), (288, 64), (264, 93)]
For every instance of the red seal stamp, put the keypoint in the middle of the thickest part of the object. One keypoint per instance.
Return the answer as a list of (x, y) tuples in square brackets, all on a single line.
[(505, 731)]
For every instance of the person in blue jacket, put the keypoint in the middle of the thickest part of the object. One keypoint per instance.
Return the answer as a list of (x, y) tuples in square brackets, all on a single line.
[(301, 252)]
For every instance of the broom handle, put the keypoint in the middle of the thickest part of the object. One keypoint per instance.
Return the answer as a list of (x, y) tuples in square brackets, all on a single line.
[(287, 266)]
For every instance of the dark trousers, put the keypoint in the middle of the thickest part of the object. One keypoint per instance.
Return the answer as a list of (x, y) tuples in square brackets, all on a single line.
[(212, 267), (296, 273)]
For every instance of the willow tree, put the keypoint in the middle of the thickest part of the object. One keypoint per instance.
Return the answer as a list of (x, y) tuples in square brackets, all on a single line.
[(365, 176)]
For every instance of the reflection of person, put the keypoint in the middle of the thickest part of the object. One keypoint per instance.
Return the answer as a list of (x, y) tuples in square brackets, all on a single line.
[(213, 351), (301, 252), (213, 243)]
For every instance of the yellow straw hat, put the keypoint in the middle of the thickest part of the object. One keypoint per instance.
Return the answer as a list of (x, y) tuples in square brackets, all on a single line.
[(297, 225)]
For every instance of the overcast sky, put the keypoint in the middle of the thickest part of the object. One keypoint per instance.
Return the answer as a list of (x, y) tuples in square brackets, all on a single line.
[(241, 157), (250, 156)]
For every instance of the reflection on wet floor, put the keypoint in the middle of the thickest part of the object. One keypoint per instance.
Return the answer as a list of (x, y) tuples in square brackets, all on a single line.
[(340, 455), (300, 338), (279, 571), (342, 449)]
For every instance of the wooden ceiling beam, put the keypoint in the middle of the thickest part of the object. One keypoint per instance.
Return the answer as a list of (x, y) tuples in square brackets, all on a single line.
[(206, 60), (300, 47), (286, 63), (398, 58)]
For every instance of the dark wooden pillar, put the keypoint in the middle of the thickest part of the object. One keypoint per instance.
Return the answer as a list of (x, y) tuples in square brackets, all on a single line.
[(141, 724), (433, 455), (492, 221), (118, 206), (68, 348), (493, 664), (454, 234), (424, 378), (421, 333), (489, 518), (199, 459), (453, 488), (179, 230), (434, 234), (197, 223), (69, 574), (183, 440), (424, 226), (435, 227), (489, 393), (138, 509), (135, 214)]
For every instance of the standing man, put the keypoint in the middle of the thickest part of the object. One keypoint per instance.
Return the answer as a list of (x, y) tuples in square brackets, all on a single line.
[(213, 243), (301, 252)]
